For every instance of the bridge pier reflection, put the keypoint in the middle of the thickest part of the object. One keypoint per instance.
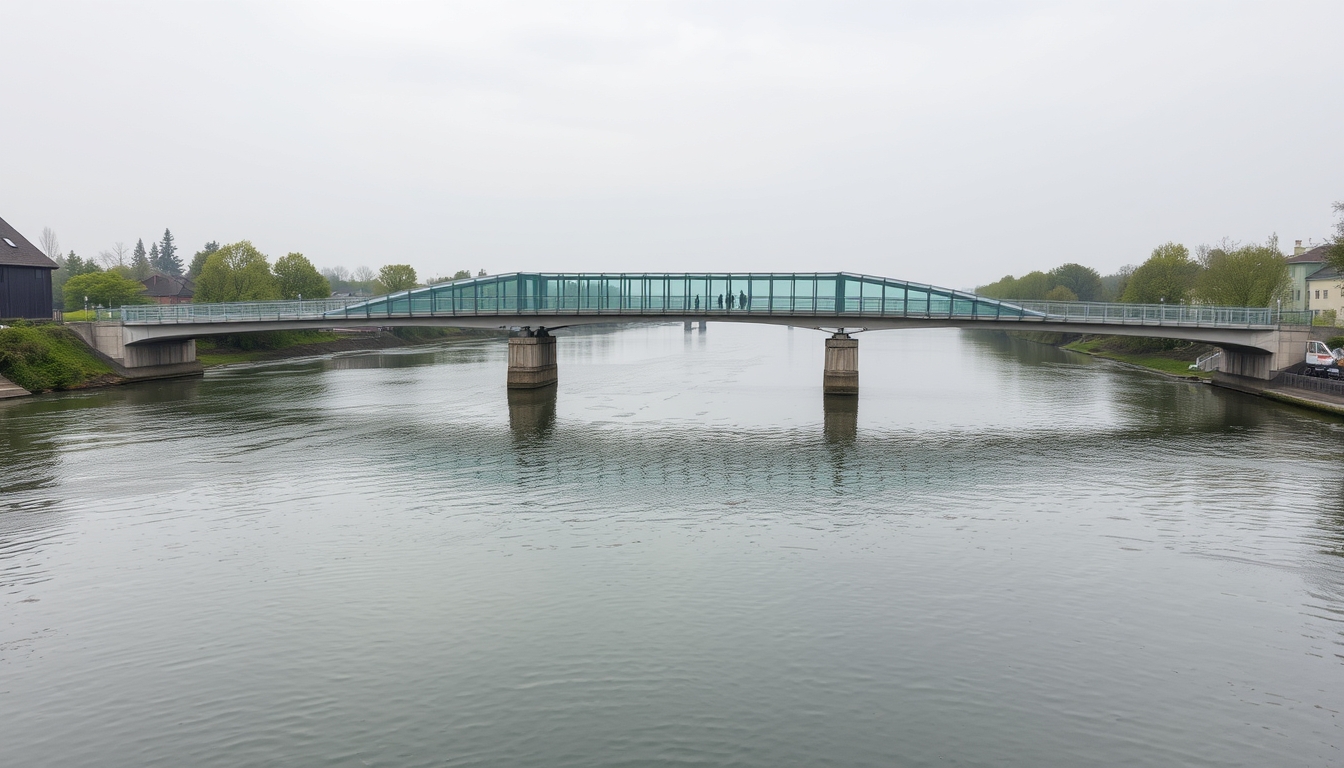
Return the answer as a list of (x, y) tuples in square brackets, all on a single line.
[(840, 418), (532, 361), (841, 376), (532, 412)]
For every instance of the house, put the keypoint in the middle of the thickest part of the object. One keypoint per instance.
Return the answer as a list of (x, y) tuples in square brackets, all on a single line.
[(1325, 288), (25, 277), (168, 289), (1302, 266)]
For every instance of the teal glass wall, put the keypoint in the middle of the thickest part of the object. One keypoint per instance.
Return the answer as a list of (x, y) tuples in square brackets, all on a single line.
[(823, 294)]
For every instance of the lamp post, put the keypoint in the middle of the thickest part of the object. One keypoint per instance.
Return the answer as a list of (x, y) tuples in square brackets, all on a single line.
[(86, 307)]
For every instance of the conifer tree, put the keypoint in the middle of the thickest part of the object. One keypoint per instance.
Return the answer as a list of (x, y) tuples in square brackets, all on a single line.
[(140, 265), (169, 263), (154, 262)]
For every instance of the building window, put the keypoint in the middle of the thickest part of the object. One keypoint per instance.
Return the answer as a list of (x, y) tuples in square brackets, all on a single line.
[(1325, 294), (1299, 295), (1318, 294)]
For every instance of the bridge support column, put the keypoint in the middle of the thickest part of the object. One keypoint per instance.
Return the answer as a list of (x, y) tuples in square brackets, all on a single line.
[(532, 360), (687, 326), (841, 376)]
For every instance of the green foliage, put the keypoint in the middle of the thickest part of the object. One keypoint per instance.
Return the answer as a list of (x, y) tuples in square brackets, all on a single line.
[(1082, 282), (236, 272), (295, 276), (1060, 293), (168, 262), (140, 266), (267, 340), (1324, 317), (1335, 342), (1250, 276), (1167, 276), (462, 274), (396, 277), (1032, 286), (70, 266), (46, 357), (1113, 285), (198, 260), (1336, 253), (106, 288)]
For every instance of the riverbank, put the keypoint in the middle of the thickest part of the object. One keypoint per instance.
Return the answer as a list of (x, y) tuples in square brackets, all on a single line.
[(46, 358), (1175, 362)]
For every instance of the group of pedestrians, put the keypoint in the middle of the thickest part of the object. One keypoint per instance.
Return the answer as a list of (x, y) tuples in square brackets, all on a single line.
[(741, 300)]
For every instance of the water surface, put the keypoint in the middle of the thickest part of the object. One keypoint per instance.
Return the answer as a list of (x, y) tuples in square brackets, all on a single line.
[(1000, 554)]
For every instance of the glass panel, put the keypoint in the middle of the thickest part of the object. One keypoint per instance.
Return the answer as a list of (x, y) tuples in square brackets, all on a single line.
[(759, 294), (717, 288), (781, 295), (825, 294)]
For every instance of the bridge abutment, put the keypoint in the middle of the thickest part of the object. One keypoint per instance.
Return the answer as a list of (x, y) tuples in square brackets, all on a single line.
[(532, 361), (841, 375), (168, 358)]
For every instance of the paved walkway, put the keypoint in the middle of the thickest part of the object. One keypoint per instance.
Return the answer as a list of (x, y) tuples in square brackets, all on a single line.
[(10, 389)]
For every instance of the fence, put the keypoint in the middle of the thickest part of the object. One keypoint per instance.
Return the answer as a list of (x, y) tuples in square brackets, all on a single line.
[(1311, 383)]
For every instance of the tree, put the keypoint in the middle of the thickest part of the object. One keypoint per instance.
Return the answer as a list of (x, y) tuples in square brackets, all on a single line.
[(154, 263), (462, 274), (1060, 293), (396, 277), (236, 272), (50, 245), (198, 261), (296, 277), (108, 289), (140, 262), (169, 263), (1083, 282), (1248, 276), (364, 277), (68, 266), (1167, 276), (1113, 285), (1336, 253)]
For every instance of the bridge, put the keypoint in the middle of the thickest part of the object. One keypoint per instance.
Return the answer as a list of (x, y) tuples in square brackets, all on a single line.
[(1256, 341)]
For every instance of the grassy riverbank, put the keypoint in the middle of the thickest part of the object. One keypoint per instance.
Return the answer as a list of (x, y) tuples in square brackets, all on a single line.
[(41, 358), (1125, 350)]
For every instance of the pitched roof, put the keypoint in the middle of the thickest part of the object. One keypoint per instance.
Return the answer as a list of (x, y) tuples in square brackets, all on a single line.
[(16, 251), (159, 284), (1328, 273), (1315, 255)]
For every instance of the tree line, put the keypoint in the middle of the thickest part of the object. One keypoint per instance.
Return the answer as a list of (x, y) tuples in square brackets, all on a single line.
[(1225, 274), (233, 272)]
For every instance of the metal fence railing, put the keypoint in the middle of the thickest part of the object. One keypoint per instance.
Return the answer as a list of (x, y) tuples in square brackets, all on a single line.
[(1311, 383), (1208, 362)]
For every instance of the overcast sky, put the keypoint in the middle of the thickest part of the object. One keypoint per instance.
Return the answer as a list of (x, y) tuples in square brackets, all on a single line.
[(949, 143)]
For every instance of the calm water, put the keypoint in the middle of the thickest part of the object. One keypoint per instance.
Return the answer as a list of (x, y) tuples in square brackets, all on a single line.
[(1004, 555)]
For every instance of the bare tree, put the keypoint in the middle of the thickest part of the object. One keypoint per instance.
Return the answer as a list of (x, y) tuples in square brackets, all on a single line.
[(364, 275), (116, 257), (336, 274), (51, 246)]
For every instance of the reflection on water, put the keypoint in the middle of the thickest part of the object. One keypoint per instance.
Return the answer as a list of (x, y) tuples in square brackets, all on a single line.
[(999, 553), (532, 412), (841, 418)]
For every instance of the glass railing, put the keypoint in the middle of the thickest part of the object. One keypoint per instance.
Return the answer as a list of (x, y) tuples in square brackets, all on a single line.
[(840, 295)]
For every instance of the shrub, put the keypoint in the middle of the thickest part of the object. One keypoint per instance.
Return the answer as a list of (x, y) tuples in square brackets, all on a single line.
[(47, 357)]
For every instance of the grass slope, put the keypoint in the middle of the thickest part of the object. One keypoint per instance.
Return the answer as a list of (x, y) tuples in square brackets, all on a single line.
[(46, 357), (1175, 362)]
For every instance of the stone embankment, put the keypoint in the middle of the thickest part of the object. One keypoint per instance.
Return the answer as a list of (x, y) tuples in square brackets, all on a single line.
[(9, 389)]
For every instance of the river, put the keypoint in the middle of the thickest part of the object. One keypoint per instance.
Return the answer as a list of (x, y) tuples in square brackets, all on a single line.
[(1001, 554)]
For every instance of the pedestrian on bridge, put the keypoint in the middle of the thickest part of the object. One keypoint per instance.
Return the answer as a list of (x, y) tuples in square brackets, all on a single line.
[(742, 299), (720, 301)]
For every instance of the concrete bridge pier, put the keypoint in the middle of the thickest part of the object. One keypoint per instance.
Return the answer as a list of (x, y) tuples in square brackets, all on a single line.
[(702, 326), (841, 376), (687, 326), (532, 360)]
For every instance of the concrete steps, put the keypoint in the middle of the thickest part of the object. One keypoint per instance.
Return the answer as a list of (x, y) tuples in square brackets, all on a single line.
[(10, 389)]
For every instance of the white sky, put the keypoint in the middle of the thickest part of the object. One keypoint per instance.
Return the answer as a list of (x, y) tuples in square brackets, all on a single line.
[(948, 143)]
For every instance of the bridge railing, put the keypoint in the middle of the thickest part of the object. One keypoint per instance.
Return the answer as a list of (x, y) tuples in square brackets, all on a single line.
[(423, 304), (1163, 314), (241, 311)]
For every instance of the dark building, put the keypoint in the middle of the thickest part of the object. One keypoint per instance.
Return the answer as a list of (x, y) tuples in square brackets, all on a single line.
[(25, 276), (168, 289)]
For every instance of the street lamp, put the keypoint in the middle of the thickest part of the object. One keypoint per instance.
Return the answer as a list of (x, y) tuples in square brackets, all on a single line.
[(86, 307)]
